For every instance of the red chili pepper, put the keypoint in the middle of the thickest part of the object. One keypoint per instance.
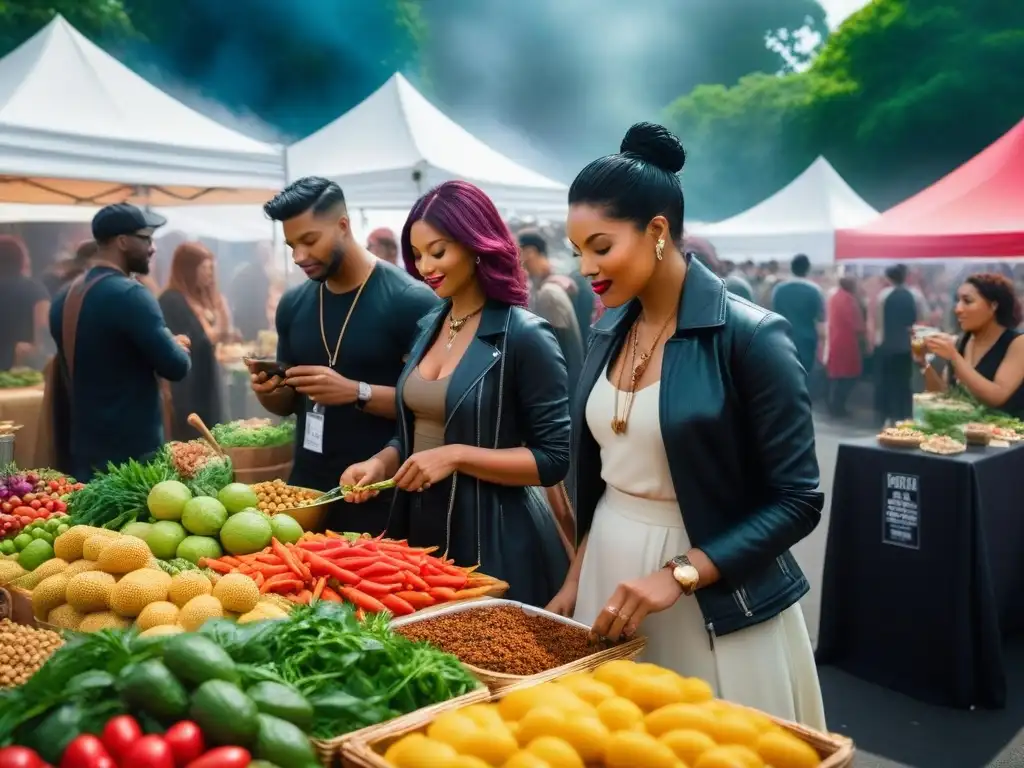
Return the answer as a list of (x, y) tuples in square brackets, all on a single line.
[(396, 605), (186, 742), (362, 600), (223, 757), (375, 589), (86, 751), (120, 735), (19, 757), (355, 563), (149, 752), (416, 582)]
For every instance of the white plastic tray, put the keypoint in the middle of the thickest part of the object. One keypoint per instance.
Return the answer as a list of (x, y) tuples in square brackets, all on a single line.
[(487, 602)]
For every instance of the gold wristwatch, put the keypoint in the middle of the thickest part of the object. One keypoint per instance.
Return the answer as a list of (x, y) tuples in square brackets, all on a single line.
[(684, 572)]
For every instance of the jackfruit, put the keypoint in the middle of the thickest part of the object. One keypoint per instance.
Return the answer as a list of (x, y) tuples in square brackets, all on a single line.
[(197, 610), (9, 571), (90, 591), (94, 622), (137, 590), (94, 546), (162, 629), (65, 617), (124, 555), (50, 568), (80, 566), (48, 595), (68, 546), (186, 585), (157, 614), (263, 612), (237, 593)]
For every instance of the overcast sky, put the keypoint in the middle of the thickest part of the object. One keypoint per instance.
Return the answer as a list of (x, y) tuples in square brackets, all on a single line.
[(839, 9)]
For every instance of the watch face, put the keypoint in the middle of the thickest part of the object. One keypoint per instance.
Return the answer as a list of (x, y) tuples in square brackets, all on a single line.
[(364, 391)]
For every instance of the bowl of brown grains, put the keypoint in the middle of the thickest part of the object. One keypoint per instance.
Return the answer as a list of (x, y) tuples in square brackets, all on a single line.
[(504, 642)]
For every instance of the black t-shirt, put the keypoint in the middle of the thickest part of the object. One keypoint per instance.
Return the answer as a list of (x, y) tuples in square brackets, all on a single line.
[(18, 298), (379, 336)]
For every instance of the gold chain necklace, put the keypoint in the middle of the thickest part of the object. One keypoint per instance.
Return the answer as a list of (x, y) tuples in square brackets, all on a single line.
[(456, 324), (332, 360), (639, 367)]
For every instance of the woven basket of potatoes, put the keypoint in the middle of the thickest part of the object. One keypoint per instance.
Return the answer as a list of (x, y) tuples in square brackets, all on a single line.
[(103, 580)]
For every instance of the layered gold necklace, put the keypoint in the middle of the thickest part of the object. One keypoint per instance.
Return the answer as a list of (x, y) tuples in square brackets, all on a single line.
[(638, 367), (456, 324)]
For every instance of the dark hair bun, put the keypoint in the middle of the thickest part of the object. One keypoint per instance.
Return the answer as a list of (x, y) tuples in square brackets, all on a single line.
[(654, 144)]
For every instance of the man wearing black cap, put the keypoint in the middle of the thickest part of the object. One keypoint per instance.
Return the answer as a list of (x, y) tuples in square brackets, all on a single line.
[(112, 345)]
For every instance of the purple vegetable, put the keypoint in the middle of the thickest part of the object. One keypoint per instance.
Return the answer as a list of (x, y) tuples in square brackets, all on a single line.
[(20, 488), (5, 493)]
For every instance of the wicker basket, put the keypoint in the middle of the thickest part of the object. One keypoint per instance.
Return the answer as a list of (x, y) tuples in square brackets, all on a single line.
[(499, 681), (329, 749), (367, 750), (20, 602)]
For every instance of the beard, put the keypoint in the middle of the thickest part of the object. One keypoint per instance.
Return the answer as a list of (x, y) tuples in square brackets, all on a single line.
[(138, 264), (330, 269)]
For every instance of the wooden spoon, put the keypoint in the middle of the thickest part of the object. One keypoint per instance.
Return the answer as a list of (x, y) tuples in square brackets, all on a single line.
[(197, 423)]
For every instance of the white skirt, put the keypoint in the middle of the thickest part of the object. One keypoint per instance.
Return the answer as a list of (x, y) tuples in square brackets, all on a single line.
[(769, 666)]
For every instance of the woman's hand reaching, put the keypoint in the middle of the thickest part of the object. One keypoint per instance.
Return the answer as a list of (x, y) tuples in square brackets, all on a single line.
[(427, 468), (564, 603), (633, 600), (364, 473)]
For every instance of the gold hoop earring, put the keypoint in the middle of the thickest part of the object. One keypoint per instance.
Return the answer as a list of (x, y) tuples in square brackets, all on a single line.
[(659, 248)]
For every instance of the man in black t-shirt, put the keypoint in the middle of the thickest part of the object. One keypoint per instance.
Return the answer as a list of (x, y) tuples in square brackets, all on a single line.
[(342, 338)]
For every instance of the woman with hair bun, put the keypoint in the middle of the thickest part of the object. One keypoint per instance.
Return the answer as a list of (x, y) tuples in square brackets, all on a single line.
[(693, 447), (988, 360), (483, 413)]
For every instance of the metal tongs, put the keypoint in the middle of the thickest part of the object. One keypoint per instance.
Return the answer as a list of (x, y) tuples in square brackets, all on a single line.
[(343, 490)]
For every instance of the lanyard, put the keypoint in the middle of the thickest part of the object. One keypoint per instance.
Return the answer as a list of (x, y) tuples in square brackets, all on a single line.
[(332, 360)]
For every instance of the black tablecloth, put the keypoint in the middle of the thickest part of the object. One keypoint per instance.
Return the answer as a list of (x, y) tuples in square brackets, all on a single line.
[(924, 570)]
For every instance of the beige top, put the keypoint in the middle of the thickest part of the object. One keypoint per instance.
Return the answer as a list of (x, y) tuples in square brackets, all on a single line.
[(426, 401)]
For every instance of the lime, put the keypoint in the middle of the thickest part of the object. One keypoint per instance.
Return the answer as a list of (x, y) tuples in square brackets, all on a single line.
[(62, 528), (167, 500), (138, 530), (22, 540), (164, 537), (194, 548), (245, 533), (237, 497), (7, 547), (35, 554), (286, 529), (203, 515), (38, 532)]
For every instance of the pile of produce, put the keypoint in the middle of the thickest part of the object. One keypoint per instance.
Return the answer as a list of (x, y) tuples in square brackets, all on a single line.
[(276, 494), (114, 498), (23, 650), (254, 433), (20, 377), (18, 539), (623, 715), (265, 687), (505, 639), (28, 499), (97, 579), (196, 528), (374, 574), (950, 415)]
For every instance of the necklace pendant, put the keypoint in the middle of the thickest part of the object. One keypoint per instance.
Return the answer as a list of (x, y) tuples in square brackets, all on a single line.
[(618, 426)]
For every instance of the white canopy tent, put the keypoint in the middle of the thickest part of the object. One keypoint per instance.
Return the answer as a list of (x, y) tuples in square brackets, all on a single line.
[(802, 217), (79, 127), (395, 145)]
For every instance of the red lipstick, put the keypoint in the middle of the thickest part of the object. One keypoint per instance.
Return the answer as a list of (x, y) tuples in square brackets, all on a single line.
[(601, 286), (434, 281)]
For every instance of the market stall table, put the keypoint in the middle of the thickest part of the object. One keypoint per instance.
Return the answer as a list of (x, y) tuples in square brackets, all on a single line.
[(922, 575), (24, 406)]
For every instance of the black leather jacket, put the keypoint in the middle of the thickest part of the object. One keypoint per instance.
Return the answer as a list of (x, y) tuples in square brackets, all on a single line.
[(510, 389), (736, 422)]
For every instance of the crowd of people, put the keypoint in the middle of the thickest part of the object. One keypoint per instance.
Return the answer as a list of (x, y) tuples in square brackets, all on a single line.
[(631, 444)]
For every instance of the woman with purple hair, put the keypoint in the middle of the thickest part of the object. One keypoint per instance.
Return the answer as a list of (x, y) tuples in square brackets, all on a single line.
[(483, 407)]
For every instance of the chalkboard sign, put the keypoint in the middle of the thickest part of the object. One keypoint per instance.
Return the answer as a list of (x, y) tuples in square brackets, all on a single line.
[(901, 511)]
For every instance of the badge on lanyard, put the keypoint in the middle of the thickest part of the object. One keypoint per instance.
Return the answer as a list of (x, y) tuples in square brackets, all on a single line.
[(313, 440)]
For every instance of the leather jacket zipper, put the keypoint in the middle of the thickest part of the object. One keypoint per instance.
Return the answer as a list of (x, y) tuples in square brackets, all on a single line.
[(711, 635), (781, 560), (744, 605)]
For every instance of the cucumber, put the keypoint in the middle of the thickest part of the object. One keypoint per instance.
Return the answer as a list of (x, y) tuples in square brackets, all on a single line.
[(151, 687), (282, 701), (89, 682), (225, 714), (283, 744), (195, 659)]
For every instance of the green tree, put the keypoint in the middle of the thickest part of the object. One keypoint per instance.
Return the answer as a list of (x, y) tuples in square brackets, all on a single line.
[(97, 19), (901, 94)]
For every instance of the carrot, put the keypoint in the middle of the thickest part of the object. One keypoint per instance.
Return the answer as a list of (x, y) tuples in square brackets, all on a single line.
[(325, 567), (446, 580), (319, 590), (414, 581), (330, 595), (272, 570), (313, 546), (279, 587), (281, 577), (246, 569), (360, 614), (305, 597), (373, 588), (286, 557), (443, 594), (357, 563), (396, 605), (395, 577), (259, 578), (216, 565), (231, 560), (377, 569), (362, 600), (469, 594), (416, 599), (268, 559)]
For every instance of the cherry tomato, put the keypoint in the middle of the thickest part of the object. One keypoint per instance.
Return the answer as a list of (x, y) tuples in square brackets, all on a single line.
[(186, 742), (223, 757), (19, 757), (86, 751), (60, 506), (149, 752), (120, 735)]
